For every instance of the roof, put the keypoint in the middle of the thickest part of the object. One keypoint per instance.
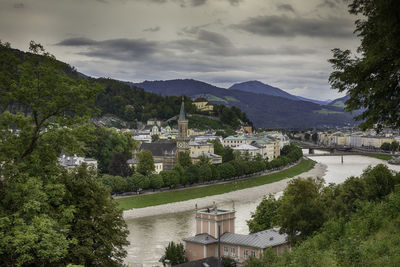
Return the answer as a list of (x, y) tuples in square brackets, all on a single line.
[(201, 99), (235, 137), (245, 147), (208, 155), (203, 239), (210, 261), (261, 240), (182, 112), (160, 147), (199, 143)]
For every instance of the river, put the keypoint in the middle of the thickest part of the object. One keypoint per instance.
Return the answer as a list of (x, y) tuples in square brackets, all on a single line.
[(149, 235)]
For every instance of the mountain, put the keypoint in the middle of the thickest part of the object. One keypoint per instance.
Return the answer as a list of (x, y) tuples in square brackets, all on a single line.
[(263, 110), (262, 88), (339, 102), (258, 87)]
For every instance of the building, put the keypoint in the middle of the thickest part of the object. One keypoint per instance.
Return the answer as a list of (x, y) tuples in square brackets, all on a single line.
[(158, 165), (214, 223), (202, 104), (70, 162), (267, 146), (252, 151), (182, 140)]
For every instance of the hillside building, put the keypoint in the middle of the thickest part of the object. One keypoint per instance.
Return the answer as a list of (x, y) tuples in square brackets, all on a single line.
[(213, 223), (202, 104)]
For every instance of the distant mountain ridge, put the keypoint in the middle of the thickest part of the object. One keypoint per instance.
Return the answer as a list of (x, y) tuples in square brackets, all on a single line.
[(262, 88), (265, 110)]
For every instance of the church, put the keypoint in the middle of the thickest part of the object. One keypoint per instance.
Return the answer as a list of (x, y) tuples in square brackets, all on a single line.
[(166, 151)]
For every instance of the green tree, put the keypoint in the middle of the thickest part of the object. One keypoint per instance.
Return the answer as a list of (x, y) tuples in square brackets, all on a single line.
[(314, 137), (394, 146), (175, 253), (156, 181), (228, 155), (145, 164), (118, 165), (192, 174), (265, 216), (155, 137), (184, 159), (385, 146), (170, 178), (99, 232), (379, 181), (371, 78), (43, 206), (218, 147), (300, 211)]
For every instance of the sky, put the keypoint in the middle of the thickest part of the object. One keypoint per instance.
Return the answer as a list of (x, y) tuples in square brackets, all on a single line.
[(286, 43)]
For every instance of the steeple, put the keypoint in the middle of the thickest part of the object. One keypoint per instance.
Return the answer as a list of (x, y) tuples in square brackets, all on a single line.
[(182, 113)]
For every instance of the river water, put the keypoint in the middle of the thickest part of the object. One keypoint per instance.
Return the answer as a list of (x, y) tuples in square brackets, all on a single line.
[(150, 235)]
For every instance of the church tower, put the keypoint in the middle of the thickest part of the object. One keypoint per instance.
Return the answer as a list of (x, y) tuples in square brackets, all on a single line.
[(182, 141)]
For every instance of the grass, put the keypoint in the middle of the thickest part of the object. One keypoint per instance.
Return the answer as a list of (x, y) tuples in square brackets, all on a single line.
[(211, 190), (327, 112), (379, 156)]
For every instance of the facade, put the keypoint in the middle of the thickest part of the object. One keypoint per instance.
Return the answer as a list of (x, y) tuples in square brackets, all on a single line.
[(267, 146), (163, 151), (202, 104), (70, 162), (251, 150), (158, 165), (214, 223), (182, 140)]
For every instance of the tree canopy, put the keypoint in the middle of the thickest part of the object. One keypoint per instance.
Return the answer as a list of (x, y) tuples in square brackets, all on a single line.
[(371, 78)]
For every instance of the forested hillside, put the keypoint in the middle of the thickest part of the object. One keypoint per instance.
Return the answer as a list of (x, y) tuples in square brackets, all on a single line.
[(118, 98)]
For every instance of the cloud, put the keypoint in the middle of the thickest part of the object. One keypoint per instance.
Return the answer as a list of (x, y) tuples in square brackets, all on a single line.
[(19, 5), (286, 7), (329, 3), (283, 26), (116, 49), (235, 2), (152, 29)]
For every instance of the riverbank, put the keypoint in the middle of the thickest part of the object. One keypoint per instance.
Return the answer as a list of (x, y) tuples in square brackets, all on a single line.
[(251, 189)]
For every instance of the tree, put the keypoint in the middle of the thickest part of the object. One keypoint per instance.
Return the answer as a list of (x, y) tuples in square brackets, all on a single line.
[(265, 216), (228, 155), (43, 206), (175, 253), (379, 181), (394, 146), (385, 146), (145, 164), (218, 147), (307, 136), (371, 79), (118, 165), (155, 137), (184, 159), (156, 181), (99, 233), (170, 178), (300, 211), (314, 137)]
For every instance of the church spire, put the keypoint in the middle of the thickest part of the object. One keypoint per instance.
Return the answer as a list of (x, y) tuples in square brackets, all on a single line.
[(182, 113)]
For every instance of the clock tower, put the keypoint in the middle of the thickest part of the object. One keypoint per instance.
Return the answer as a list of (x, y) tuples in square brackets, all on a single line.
[(182, 141)]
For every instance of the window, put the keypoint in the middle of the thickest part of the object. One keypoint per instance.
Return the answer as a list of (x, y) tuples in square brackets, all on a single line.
[(253, 253), (233, 252), (225, 251), (246, 254)]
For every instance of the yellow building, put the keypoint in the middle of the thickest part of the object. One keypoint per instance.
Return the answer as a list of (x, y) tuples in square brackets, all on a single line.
[(200, 149), (202, 104)]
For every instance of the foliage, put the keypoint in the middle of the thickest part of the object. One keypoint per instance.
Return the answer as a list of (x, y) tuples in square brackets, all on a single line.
[(170, 178), (155, 137), (300, 211), (105, 142), (385, 146), (184, 159), (210, 190), (156, 181), (118, 165), (175, 253), (228, 262), (360, 228), (371, 79), (145, 164), (43, 207), (266, 215)]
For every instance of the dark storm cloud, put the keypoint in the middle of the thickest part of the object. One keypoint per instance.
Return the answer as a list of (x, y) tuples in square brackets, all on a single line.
[(152, 29), (18, 5), (285, 7), (235, 2), (285, 26), (329, 3), (117, 49)]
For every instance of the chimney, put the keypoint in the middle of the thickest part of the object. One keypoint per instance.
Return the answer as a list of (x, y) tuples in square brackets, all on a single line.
[(168, 263)]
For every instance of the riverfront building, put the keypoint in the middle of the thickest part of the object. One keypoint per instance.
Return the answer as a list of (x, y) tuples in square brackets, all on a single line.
[(213, 223)]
